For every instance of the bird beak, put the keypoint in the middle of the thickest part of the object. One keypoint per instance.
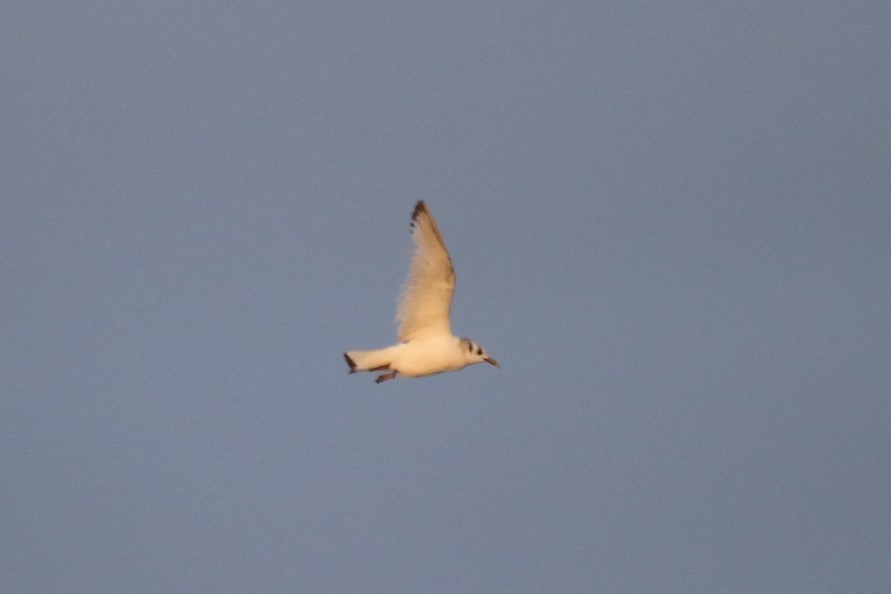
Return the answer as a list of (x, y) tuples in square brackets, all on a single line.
[(492, 361)]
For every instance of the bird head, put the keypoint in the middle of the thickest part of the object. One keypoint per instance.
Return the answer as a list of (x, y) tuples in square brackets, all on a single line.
[(475, 353)]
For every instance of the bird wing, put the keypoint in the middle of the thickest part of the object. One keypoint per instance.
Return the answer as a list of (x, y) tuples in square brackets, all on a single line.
[(427, 294)]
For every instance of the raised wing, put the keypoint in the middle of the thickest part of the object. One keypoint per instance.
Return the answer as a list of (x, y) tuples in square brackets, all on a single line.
[(427, 295)]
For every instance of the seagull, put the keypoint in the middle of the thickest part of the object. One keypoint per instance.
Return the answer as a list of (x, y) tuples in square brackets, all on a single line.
[(426, 344)]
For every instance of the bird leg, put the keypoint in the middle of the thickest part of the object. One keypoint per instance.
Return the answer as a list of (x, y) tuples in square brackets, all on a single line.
[(384, 377)]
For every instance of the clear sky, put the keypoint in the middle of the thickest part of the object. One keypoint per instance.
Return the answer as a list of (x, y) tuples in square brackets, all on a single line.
[(671, 224)]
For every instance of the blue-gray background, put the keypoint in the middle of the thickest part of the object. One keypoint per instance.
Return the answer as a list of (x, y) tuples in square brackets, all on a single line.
[(671, 224)]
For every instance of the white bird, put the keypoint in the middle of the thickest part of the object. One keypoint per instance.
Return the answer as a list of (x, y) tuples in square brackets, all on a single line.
[(426, 344)]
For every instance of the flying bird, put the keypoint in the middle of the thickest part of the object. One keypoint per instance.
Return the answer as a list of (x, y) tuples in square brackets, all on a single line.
[(426, 344)]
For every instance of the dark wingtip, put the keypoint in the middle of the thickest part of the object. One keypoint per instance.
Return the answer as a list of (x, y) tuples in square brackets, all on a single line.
[(419, 208), (350, 362)]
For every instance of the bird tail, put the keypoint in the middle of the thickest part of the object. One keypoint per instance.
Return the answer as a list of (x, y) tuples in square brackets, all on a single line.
[(368, 360)]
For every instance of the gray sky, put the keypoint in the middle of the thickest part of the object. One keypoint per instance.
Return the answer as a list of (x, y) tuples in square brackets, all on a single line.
[(671, 225)]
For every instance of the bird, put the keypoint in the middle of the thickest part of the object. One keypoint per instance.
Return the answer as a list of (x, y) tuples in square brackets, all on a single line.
[(426, 344)]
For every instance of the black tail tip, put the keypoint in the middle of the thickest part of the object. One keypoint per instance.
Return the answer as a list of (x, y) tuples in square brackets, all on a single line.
[(350, 362)]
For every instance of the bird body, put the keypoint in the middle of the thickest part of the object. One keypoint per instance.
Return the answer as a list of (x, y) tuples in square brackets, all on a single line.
[(426, 346)]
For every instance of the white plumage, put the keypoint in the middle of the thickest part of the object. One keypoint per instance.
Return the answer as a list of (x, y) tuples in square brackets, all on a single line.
[(427, 345)]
